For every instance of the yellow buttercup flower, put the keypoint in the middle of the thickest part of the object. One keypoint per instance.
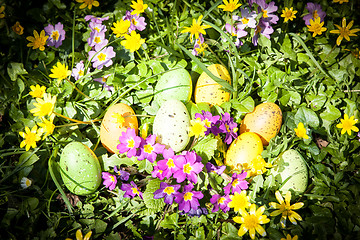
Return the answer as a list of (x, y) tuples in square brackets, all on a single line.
[(251, 221), (2, 14), (121, 27), (88, 3), (47, 126), (288, 237), (239, 201), (133, 41), (139, 7), (230, 6), (197, 128), (256, 166), (118, 119), (285, 209), (37, 41), (44, 106), (17, 28), (301, 131), (345, 31), (60, 71), (196, 29), (348, 124), (316, 27), (79, 235), (288, 14), (37, 91), (30, 137), (340, 1)]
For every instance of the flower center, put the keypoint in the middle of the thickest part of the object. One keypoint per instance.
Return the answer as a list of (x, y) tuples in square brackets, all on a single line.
[(135, 190), (315, 14), (169, 190), (131, 143), (347, 125), (264, 13), (251, 221), (97, 40), (288, 14), (221, 200), (170, 163), (97, 29), (244, 20), (187, 168), (102, 57), (46, 108), (148, 148), (235, 183), (133, 21), (112, 178), (188, 196), (30, 138), (207, 123), (81, 73), (55, 35)]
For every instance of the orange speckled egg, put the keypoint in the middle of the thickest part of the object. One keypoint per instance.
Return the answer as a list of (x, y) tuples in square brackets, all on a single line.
[(116, 121), (243, 149), (209, 91), (265, 120)]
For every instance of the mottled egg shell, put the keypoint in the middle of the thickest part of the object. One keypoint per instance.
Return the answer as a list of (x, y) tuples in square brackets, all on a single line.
[(175, 84), (171, 125), (265, 120), (209, 91), (110, 130), (80, 169), (243, 149), (290, 166)]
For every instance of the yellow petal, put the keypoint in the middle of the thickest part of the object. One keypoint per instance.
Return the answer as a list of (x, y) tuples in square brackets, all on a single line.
[(279, 197), (242, 230), (297, 205)]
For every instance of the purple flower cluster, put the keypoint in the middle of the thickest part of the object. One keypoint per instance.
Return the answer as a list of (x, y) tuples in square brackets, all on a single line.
[(136, 22), (56, 34), (315, 11)]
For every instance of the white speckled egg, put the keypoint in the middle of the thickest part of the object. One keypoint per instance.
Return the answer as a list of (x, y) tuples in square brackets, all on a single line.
[(171, 125)]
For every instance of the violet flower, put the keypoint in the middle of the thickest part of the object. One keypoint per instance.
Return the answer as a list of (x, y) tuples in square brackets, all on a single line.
[(167, 192), (129, 143), (247, 19), (220, 202), (267, 10), (196, 212), (263, 28), (189, 165), (188, 199), (149, 149), (95, 19), (109, 180), (215, 169), (229, 127), (131, 190), (122, 175), (97, 39), (103, 80), (157, 173), (137, 22), (210, 121), (102, 58), (315, 11), (235, 32), (78, 70), (167, 165), (237, 183), (56, 34)]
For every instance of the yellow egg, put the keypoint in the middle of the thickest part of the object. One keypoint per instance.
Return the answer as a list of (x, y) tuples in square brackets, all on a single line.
[(116, 120), (265, 120), (243, 149), (209, 91)]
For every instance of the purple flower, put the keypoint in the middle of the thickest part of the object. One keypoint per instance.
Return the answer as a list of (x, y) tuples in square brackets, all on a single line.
[(129, 142), (157, 173), (237, 183), (131, 190), (220, 202), (188, 199), (56, 34), (229, 127), (267, 9), (97, 40), (196, 212), (137, 22), (122, 175), (215, 169), (189, 165), (358, 135), (315, 11), (95, 19), (167, 165), (209, 120), (102, 58), (167, 192), (149, 149), (247, 19), (103, 80), (263, 28), (78, 70), (237, 32), (109, 180)]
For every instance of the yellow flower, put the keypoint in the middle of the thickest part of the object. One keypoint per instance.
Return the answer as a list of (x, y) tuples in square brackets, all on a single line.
[(30, 137), (38, 41), (285, 209), (2, 8), (37, 91), (121, 27), (197, 128), (301, 131), (257, 166), (288, 14), (79, 235), (347, 124), (118, 119), (230, 6), (340, 1), (44, 106), (133, 41), (47, 126), (239, 201), (201, 47), (139, 7), (196, 28), (17, 28), (60, 71), (355, 52), (345, 31), (251, 221), (288, 237), (316, 27), (88, 3)]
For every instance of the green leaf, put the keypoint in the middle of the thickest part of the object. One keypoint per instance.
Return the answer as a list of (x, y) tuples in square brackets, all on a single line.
[(197, 108), (287, 48), (308, 116), (245, 106), (100, 226), (206, 147), (331, 113), (258, 182), (154, 205), (15, 69), (146, 166), (28, 159), (170, 221)]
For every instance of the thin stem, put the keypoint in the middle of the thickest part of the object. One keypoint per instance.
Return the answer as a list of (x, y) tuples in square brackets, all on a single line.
[(217, 58), (78, 90), (73, 42), (77, 121), (323, 60)]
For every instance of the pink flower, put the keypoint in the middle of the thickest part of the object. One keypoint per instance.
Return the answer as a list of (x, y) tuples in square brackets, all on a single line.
[(109, 180), (263, 28), (102, 58), (189, 165), (149, 149), (237, 183), (267, 10), (220, 202), (103, 80), (131, 190), (129, 143), (167, 165), (95, 19), (97, 39), (167, 192), (56, 34), (78, 70), (137, 22), (315, 11), (188, 199)]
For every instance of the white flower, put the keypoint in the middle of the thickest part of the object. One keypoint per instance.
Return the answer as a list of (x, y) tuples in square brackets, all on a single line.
[(25, 182)]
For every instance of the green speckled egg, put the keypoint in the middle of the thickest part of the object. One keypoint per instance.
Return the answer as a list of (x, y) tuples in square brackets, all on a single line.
[(80, 169), (290, 165), (175, 84), (171, 125)]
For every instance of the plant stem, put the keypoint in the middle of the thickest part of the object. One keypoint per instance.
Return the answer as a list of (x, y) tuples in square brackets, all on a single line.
[(323, 60), (77, 121), (78, 90)]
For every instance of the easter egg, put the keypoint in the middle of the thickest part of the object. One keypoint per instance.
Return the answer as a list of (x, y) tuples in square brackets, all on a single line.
[(171, 125), (80, 169), (116, 120), (290, 171), (175, 84), (265, 120), (243, 149), (209, 91)]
